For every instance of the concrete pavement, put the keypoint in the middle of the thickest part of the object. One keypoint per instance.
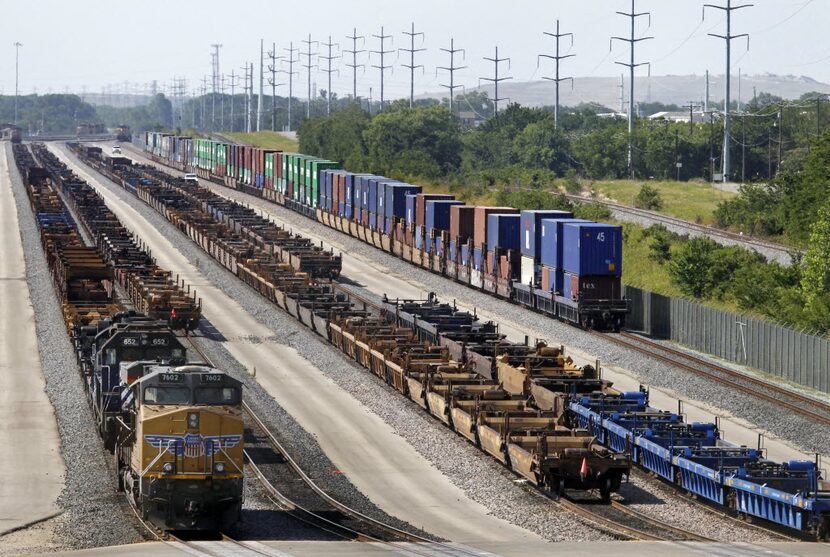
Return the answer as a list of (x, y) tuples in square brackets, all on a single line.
[(31, 466)]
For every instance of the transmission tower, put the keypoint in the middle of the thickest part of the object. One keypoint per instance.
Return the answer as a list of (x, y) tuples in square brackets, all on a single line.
[(308, 66), (556, 79), (291, 61), (354, 65), (632, 41), (412, 66), (727, 133), (204, 91), (496, 79), (272, 81), (261, 77), (233, 99), (329, 45), (214, 82), (452, 68), (382, 53)]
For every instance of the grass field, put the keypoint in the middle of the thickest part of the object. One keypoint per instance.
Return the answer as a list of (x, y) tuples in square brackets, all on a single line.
[(269, 140), (691, 201)]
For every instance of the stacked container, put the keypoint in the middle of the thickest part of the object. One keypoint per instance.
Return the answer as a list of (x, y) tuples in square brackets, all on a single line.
[(480, 230), (394, 203), (462, 225), (592, 261), (436, 220), (531, 244), (503, 232)]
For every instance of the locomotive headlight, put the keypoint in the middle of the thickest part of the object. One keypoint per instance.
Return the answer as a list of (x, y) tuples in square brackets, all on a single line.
[(219, 467), (193, 420), (167, 467)]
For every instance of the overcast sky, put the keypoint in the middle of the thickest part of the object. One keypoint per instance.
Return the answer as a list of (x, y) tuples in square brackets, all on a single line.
[(93, 43)]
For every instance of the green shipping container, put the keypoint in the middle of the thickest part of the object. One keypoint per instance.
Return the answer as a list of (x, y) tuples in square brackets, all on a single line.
[(313, 190)]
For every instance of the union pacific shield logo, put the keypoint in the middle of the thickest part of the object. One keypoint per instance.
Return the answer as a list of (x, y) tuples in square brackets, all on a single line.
[(192, 444)]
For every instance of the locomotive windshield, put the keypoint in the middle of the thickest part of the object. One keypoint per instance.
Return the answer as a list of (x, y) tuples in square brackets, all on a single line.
[(216, 395), (166, 395)]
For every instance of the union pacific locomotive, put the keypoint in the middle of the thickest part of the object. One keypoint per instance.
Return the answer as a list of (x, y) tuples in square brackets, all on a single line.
[(175, 429)]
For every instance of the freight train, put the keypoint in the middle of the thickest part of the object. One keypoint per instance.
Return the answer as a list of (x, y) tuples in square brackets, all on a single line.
[(123, 133), (175, 428), (693, 456), (440, 358), (11, 133), (548, 261)]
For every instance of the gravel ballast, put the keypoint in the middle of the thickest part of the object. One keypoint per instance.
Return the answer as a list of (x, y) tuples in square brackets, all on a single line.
[(94, 513), (464, 465)]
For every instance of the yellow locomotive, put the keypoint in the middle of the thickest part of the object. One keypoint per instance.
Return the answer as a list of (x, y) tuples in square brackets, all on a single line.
[(179, 447)]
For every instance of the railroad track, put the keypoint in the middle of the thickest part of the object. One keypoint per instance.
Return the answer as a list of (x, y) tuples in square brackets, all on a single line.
[(692, 226), (329, 514), (783, 397)]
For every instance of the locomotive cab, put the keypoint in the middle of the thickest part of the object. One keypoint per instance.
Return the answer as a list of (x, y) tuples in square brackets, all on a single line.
[(181, 456)]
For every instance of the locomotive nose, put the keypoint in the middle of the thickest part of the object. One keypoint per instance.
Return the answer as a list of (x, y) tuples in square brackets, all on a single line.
[(192, 507)]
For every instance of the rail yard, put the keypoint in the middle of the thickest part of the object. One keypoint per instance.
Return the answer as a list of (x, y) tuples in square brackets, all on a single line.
[(518, 401), (334, 322)]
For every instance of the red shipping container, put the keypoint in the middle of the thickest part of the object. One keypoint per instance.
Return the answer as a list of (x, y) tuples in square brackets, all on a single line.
[(480, 224), (548, 278), (421, 205)]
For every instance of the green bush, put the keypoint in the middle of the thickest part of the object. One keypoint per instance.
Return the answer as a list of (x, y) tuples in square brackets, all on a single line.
[(592, 211), (648, 198)]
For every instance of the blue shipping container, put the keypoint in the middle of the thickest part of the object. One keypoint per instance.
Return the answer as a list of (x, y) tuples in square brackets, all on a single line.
[(465, 253), (409, 217), (437, 214), (592, 249), (477, 257), (551, 241), (503, 231), (395, 199), (532, 230)]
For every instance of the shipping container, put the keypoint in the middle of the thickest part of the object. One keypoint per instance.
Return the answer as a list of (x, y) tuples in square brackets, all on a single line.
[(421, 204), (592, 249), (503, 231), (437, 214), (462, 221), (530, 270), (577, 287), (551, 240), (395, 197), (532, 229), (480, 223)]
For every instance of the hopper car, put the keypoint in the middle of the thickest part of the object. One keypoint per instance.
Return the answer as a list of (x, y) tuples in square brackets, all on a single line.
[(175, 429)]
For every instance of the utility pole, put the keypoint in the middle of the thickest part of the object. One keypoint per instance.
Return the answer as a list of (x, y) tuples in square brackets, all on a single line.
[(329, 71), (250, 97), (452, 68), (16, 76), (496, 79), (204, 92), (622, 94), (692, 106), (222, 103), (729, 8), (354, 65), (382, 53), (632, 41), (706, 102), (233, 99), (272, 81), (246, 118), (261, 71), (291, 61), (556, 79), (780, 137), (214, 82), (308, 66), (412, 50)]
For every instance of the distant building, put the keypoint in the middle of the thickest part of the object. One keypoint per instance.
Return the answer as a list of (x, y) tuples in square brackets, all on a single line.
[(620, 115), (470, 118), (679, 116)]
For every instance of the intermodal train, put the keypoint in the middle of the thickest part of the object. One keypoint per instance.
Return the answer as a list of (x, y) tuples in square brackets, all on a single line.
[(693, 456), (548, 261), (11, 133), (175, 428), (440, 358)]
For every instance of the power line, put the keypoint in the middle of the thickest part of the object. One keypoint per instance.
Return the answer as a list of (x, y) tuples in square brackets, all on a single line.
[(291, 61), (452, 68), (272, 81), (329, 71), (729, 8), (631, 65), (308, 66), (412, 50), (556, 79), (354, 65), (382, 53), (496, 79)]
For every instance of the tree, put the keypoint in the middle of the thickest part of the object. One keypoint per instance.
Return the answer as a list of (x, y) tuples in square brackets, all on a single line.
[(648, 198), (540, 145), (815, 281)]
